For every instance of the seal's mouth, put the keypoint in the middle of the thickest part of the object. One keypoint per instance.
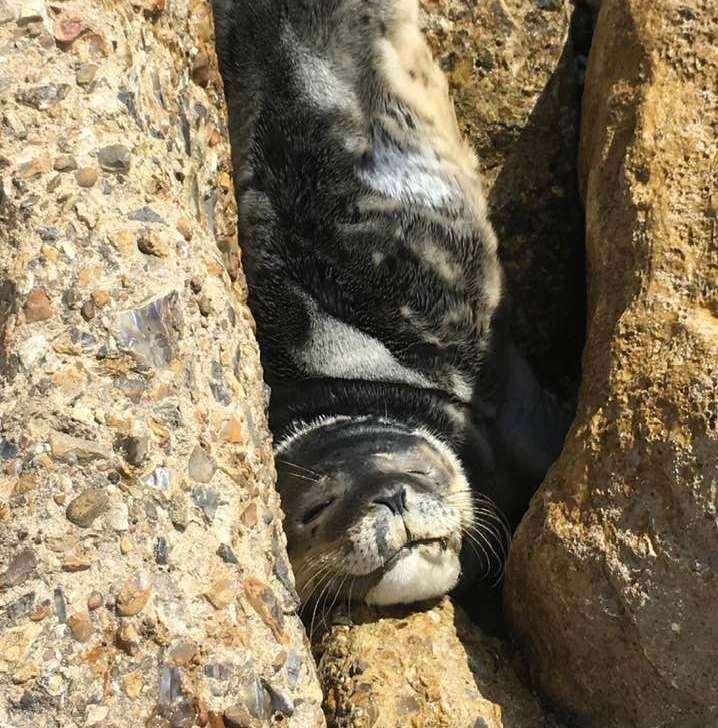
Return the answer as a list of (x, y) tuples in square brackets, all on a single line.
[(442, 542)]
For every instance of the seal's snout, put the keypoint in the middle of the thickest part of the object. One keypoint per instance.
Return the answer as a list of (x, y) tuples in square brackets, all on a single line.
[(395, 501)]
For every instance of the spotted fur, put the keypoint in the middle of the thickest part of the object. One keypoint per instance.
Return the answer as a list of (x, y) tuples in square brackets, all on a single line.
[(372, 266)]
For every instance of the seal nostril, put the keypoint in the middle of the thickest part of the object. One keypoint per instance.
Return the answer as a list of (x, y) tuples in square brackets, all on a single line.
[(395, 502)]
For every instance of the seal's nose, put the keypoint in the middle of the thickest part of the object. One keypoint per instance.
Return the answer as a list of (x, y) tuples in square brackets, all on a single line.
[(395, 501)]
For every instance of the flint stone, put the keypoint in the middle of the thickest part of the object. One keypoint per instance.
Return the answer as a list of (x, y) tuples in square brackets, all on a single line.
[(69, 449), (44, 97), (201, 466), (19, 570), (87, 506), (115, 158), (150, 333)]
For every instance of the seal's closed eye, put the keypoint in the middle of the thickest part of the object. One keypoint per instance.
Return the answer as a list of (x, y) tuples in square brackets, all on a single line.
[(313, 512)]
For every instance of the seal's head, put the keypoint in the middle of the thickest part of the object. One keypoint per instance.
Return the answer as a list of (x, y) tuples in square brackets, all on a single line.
[(375, 510)]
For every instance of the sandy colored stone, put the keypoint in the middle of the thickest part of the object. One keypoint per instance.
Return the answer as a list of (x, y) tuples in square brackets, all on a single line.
[(37, 306), (81, 626), (611, 585), (134, 595), (86, 176), (428, 667), (151, 148), (221, 593)]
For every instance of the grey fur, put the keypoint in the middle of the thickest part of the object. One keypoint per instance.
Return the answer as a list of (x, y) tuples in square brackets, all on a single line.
[(371, 264)]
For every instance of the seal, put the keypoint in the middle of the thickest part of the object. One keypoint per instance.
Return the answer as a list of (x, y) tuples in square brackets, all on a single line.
[(409, 432)]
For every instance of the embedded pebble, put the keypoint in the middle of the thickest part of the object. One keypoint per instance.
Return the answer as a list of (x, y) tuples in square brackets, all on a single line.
[(152, 243), (226, 554), (80, 626), (37, 306), (86, 176), (44, 97), (136, 448), (85, 74), (76, 449), (201, 466), (145, 214), (127, 637), (87, 506), (115, 158), (88, 310), (118, 518), (19, 569), (207, 500), (161, 551), (94, 601), (134, 595), (64, 163), (221, 593)]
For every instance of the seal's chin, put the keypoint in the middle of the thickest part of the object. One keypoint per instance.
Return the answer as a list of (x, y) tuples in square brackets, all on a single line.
[(417, 572)]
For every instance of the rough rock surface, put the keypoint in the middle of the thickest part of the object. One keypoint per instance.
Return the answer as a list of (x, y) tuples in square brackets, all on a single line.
[(132, 426), (423, 669), (515, 71), (611, 584), (516, 68)]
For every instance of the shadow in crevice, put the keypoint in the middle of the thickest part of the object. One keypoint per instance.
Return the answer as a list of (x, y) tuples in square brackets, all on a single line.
[(537, 212)]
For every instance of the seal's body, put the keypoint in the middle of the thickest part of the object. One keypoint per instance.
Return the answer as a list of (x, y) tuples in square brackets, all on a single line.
[(377, 292)]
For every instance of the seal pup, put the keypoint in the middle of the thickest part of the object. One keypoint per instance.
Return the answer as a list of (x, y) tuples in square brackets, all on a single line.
[(409, 432)]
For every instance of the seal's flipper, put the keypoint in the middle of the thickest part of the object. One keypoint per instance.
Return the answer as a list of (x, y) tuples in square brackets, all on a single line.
[(531, 424)]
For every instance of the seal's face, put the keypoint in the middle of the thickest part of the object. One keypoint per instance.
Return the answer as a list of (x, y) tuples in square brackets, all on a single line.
[(375, 511)]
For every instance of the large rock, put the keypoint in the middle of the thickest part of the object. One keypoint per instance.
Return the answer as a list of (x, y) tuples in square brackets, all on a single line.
[(611, 587), (132, 427), (423, 669)]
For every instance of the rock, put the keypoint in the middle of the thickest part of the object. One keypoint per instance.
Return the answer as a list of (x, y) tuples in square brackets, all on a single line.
[(134, 595), (201, 466), (145, 214), (184, 226), (64, 163), (183, 653), (124, 353), (94, 600), (200, 69), (44, 97), (68, 24), (151, 242), (423, 667), (87, 506), (207, 500), (19, 569), (204, 304), (127, 637), (609, 581), (85, 74), (32, 169), (68, 449), (38, 306), (135, 448), (115, 158), (221, 593), (150, 333), (76, 561), (86, 176), (80, 626), (88, 310), (226, 554), (264, 602)]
